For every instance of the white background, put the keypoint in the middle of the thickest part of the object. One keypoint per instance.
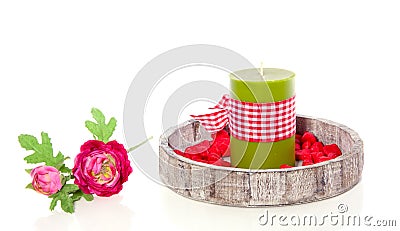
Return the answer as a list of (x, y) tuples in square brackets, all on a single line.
[(60, 58)]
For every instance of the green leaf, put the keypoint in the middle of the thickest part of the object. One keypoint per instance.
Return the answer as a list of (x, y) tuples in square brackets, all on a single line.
[(53, 202), (63, 179), (43, 153), (69, 188), (54, 195), (111, 127), (76, 196), (59, 160), (67, 204), (68, 194), (65, 169), (45, 138), (28, 170), (28, 142), (55, 198), (98, 116), (94, 129), (101, 130), (88, 197), (29, 186)]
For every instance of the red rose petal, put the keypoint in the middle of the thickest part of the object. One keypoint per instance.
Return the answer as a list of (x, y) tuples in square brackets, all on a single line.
[(213, 157), (332, 155), (189, 156), (332, 148), (308, 136), (297, 146), (222, 162), (303, 154), (207, 152), (178, 152), (322, 159), (227, 152), (304, 157), (220, 144), (306, 145), (223, 146), (214, 149), (317, 147), (316, 156), (285, 166), (307, 162), (223, 133), (198, 148), (198, 158)]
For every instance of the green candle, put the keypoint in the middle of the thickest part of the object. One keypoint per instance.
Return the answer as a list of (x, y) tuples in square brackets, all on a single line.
[(265, 85)]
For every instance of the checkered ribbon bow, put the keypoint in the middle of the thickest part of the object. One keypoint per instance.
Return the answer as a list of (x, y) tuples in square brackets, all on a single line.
[(254, 122)]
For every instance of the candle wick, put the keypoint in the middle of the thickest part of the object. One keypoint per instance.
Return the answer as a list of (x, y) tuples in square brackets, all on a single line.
[(262, 69)]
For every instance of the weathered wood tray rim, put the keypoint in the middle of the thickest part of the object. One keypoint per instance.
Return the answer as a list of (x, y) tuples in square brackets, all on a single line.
[(357, 143)]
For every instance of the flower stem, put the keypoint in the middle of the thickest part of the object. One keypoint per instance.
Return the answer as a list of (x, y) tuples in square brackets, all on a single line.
[(140, 144)]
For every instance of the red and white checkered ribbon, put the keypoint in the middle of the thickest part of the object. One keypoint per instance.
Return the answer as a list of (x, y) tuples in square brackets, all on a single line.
[(254, 122)]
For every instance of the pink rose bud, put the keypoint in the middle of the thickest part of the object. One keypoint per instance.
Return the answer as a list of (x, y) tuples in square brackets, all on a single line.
[(46, 180)]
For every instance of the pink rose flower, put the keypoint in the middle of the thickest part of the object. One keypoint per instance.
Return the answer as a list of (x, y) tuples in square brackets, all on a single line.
[(46, 180), (101, 168)]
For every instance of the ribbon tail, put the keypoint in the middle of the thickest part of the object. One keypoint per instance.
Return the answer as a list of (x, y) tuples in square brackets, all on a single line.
[(223, 103), (213, 122)]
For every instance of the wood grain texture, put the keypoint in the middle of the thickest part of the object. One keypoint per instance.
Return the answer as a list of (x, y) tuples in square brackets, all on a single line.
[(267, 187)]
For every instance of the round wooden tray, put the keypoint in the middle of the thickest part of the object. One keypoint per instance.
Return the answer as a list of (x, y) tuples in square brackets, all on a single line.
[(255, 188)]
